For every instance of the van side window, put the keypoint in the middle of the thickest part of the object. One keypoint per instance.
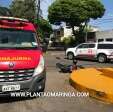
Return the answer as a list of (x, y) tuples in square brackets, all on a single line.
[(83, 46), (91, 45), (86, 46), (105, 46)]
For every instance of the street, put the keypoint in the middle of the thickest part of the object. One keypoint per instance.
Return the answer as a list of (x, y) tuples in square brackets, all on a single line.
[(30, 27), (58, 82)]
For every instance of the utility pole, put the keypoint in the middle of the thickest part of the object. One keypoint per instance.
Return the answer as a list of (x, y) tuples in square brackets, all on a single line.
[(86, 35), (37, 8), (38, 15)]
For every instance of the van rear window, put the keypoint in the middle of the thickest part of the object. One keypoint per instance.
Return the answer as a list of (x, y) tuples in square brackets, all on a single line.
[(105, 46)]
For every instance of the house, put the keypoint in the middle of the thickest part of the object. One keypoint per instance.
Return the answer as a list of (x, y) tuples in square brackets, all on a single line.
[(66, 31), (104, 36), (94, 34)]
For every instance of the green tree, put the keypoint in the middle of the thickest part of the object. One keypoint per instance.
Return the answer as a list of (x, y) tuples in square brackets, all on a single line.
[(44, 27), (5, 11), (23, 9), (75, 12)]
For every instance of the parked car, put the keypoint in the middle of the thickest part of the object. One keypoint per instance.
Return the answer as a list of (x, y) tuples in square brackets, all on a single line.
[(101, 51)]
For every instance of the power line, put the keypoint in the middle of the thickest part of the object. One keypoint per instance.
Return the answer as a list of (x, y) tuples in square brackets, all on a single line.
[(105, 18), (103, 22)]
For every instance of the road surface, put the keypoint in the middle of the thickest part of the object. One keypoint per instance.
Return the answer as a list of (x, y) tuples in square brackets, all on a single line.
[(57, 82)]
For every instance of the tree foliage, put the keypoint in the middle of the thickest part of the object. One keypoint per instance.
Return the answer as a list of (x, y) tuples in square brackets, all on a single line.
[(27, 9), (23, 9), (75, 12), (5, 11), (44, 27)]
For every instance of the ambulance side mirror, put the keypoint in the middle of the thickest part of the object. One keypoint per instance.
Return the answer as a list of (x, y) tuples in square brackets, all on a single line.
[(44, 47)]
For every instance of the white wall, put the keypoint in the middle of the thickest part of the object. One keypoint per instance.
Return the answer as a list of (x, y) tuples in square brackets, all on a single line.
[(67, 32), (104, 35)]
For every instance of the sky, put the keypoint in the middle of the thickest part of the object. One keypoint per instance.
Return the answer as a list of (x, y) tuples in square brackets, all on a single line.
[(105, 23)]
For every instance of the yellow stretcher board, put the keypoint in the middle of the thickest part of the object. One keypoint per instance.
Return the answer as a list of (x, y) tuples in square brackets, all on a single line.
[(98, 82)]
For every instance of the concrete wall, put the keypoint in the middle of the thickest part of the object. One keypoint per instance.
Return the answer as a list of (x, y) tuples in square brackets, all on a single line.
[(105, 35), (67, 32)]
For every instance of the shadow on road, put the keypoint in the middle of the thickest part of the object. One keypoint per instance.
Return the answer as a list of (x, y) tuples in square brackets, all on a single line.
[(10, 100), (94, 60), (56, 49)]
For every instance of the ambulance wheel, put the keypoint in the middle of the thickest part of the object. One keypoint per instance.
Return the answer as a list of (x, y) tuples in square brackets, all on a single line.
[(70, 55), (102, 58)]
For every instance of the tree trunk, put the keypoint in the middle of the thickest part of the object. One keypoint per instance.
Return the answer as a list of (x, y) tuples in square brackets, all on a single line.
[(73, 31), (81, 30)]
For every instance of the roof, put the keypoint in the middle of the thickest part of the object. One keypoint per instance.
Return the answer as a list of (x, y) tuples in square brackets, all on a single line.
[(13, 18), (16, 23)]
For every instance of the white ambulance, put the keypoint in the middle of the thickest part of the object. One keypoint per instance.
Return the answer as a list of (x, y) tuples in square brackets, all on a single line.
[(101, 51)]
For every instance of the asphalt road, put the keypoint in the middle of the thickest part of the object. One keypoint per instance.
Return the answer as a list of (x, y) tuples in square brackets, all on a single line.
[(58, 82)]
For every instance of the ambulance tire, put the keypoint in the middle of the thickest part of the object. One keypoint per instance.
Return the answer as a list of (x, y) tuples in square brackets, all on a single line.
[(102, 58)]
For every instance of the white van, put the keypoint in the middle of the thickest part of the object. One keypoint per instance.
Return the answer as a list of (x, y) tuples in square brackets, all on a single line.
[(101, 51)]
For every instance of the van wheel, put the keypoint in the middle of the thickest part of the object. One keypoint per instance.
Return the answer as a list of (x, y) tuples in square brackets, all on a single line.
[(70, 55), (102, 58)]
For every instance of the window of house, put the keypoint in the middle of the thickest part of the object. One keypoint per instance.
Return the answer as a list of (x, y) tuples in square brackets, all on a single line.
[(100, 40), (109, 39)]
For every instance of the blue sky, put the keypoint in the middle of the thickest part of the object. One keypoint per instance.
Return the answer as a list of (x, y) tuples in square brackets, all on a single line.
[(105, 23)]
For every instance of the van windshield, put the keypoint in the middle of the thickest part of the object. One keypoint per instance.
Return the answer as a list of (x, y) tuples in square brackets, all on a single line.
[(17, 39)]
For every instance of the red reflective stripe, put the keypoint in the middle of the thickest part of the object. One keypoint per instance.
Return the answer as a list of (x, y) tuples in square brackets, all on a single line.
[(11, 27), (26, 26), (16, 24)]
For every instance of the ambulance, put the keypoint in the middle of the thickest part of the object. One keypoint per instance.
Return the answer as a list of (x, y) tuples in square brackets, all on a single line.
[(101, 51), (22, 66)]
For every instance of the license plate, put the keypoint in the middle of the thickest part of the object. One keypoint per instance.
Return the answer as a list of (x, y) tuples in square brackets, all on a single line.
[(10, 88)]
